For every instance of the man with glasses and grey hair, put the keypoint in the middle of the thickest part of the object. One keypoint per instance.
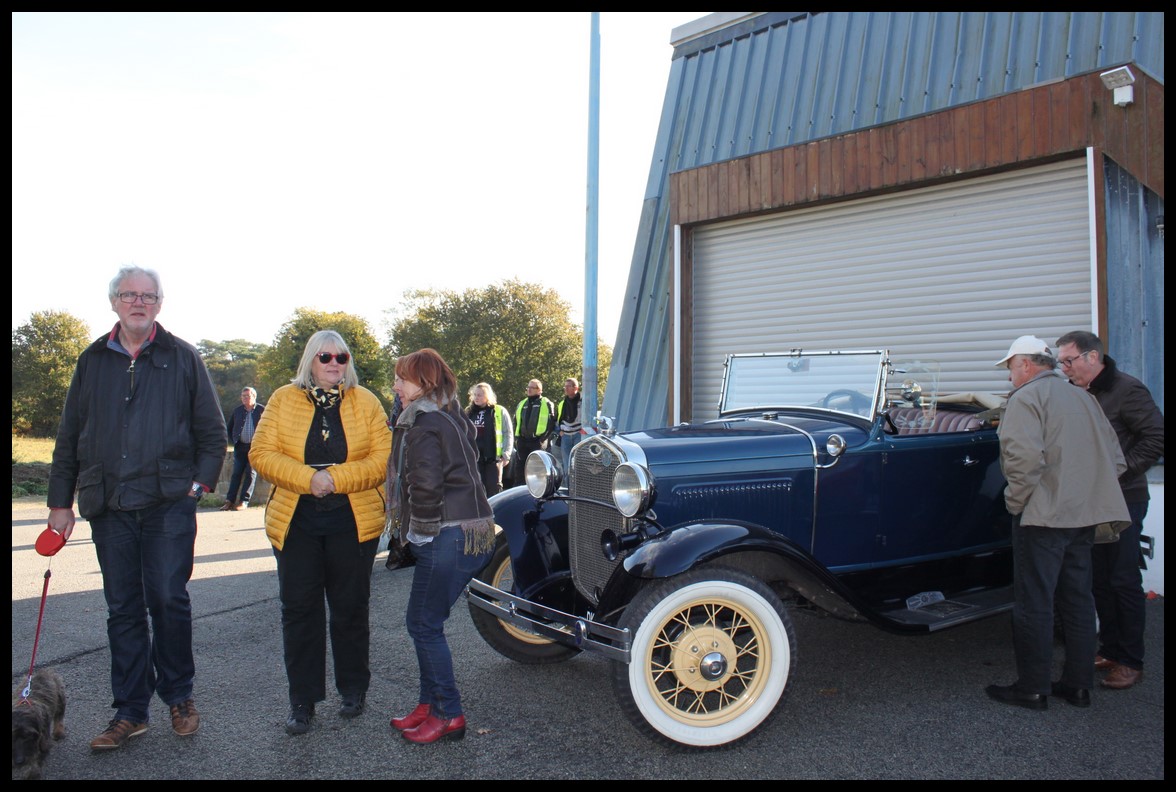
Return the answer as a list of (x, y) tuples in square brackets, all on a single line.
[(1062, 462), (141, 439), (1118, 582)]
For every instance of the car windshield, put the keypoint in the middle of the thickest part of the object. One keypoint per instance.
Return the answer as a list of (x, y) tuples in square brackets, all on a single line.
[(842, 381)]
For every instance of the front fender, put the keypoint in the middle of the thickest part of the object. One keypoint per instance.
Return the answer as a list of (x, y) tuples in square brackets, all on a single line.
[(537, 535)]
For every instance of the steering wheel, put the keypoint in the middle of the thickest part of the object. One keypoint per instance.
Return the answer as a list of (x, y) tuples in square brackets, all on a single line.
[(858, 402)]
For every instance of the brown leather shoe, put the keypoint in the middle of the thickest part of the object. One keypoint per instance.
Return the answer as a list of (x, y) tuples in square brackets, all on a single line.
[(228, 506), (1121, 677), (185, 718), (1103, 664), (117, 734)]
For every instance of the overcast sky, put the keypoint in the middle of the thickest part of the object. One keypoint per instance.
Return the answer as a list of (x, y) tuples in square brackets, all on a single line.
[(263, 162)]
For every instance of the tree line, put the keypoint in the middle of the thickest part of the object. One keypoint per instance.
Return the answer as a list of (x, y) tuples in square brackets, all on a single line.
[(505, 334)]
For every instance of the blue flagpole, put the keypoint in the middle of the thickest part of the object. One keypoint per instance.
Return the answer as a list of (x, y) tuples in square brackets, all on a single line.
[(588, 385)]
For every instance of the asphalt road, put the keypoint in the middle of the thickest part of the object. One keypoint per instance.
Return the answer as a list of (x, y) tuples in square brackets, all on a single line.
[(863, 704)]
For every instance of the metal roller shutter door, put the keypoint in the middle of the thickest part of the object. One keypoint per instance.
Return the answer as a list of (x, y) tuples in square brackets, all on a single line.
[(951, 273)]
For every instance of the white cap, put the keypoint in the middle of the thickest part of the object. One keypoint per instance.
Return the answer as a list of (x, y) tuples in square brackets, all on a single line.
[(1026, 345)]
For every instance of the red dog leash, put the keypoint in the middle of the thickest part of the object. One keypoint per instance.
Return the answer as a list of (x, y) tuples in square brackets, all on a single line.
[(48, 543)]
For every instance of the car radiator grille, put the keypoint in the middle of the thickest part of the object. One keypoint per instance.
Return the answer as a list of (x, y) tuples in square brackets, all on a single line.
[(594, 460)]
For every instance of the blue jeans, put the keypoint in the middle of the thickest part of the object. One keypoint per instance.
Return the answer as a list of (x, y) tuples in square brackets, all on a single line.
[(1052, 565), (146, 560), (441, 573), (1118, 594), (566, 443), (244, 477)]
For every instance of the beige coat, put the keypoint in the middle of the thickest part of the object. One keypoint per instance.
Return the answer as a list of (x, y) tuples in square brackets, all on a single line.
[(278, 449), (1061, 457)]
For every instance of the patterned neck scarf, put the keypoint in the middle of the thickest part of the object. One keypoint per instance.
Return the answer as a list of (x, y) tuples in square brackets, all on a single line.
[(326, 399)]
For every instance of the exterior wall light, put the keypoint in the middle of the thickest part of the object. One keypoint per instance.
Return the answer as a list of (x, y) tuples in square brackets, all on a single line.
[(1121, 81)]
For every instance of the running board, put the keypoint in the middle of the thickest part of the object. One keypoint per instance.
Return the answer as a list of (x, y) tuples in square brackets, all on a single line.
[(960, 609)]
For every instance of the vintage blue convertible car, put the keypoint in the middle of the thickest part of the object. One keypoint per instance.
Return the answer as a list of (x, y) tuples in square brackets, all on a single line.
[(836, 480)]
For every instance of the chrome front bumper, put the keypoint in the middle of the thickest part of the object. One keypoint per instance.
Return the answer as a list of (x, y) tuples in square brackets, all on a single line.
[(563, 628)]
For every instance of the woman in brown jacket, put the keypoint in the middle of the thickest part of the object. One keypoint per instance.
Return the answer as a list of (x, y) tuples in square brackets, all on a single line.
[(440, 507), (323, 443)]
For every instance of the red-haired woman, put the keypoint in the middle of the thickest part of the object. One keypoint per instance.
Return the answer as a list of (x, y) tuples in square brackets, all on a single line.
[(441, 510)]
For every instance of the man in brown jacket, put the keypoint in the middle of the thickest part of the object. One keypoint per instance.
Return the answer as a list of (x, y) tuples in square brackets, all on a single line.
[(1118, 582)]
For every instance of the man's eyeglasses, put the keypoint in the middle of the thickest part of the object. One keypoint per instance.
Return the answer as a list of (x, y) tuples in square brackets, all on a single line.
[(341, 358), (1067, 362), (148, 298)]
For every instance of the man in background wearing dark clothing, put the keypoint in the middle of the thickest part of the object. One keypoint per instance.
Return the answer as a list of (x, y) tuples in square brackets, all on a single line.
[(567, 415), (1118, 582), (242, 424)]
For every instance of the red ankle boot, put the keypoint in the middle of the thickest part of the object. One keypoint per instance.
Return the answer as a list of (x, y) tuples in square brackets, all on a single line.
[(412, 719), (434, 729)]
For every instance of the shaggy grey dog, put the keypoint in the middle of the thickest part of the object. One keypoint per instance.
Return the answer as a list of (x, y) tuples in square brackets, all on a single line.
[(36, 722)]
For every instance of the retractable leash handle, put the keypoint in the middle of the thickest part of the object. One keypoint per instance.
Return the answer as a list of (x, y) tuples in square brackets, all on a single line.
[(49, 542)]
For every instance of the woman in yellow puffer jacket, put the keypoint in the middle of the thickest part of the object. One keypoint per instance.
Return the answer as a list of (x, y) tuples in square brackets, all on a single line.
[(324, 443)]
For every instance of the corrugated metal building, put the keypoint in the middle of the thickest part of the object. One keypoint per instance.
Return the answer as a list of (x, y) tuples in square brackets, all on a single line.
[(932, 183)]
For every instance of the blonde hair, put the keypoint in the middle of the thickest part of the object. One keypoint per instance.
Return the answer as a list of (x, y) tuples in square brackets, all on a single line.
[(491, 399), (324, 338)]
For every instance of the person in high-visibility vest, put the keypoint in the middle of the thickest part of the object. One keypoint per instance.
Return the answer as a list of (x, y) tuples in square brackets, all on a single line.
[(534, 426), (495, 435), (567, 417)]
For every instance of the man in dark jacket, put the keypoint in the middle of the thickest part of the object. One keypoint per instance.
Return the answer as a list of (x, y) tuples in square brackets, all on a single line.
[(1118, 583), (242, 425), (141, 439)]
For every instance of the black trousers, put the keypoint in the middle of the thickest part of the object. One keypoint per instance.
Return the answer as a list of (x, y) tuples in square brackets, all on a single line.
[(488, 472), (1118, 594), (338, 567), (524, 446)]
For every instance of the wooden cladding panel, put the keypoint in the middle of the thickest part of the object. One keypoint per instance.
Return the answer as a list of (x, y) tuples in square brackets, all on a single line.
[(1034, 124), (1153, 130)]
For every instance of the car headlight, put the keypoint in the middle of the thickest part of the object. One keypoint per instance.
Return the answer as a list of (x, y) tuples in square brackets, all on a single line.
[(541, 473), (632, 489)]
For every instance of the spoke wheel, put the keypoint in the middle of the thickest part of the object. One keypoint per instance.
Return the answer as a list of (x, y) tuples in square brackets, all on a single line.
[(508, 639), (711, 657)]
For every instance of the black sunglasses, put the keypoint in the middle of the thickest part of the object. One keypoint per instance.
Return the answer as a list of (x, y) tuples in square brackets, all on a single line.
[(341, 357)]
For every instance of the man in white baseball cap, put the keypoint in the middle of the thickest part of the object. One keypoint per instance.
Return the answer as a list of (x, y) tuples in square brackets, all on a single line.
[(1026, 345), (1062, 461)]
